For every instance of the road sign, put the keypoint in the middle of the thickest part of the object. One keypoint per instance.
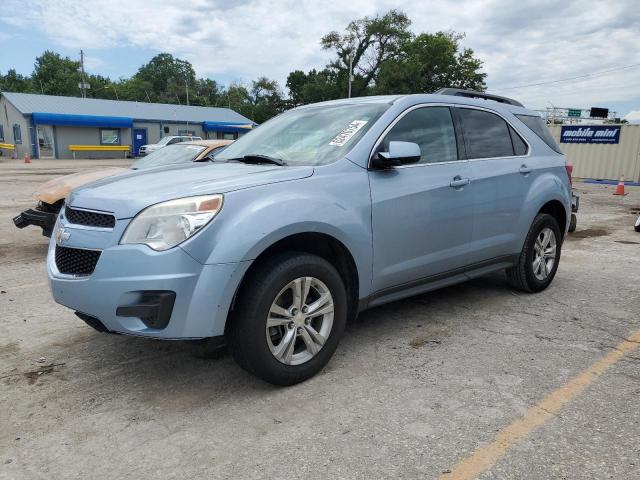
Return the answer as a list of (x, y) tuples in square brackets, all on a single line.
[(575, 112)]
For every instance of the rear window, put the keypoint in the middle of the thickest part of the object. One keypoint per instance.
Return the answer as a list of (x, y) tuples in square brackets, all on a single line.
[(537, 125)]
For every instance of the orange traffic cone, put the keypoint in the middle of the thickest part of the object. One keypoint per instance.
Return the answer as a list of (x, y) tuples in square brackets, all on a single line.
[(620, 187), (26, 158)]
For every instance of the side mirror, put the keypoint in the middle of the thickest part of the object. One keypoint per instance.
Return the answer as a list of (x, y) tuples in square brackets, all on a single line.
[(400, 153)]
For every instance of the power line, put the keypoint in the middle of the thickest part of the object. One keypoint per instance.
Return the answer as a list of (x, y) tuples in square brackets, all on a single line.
[(588, 75)]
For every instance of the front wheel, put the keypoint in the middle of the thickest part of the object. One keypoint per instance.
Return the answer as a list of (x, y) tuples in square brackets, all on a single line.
[(538, 261), (290, 314)]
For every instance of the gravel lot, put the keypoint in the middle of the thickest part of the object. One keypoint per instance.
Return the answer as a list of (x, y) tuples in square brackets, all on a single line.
[(415, 386)]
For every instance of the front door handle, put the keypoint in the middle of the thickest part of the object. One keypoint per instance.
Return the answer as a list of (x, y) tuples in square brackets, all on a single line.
[(524, 170), (459, 182)]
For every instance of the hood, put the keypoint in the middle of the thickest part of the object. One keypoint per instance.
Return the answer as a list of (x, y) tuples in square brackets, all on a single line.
[(58, 188), (127, 194)]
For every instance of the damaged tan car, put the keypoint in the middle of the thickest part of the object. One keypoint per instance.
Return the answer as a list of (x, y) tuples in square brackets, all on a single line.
[(52, 194)]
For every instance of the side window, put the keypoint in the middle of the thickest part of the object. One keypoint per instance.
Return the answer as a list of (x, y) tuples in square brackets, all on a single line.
[(17, 133), (432, 129), (173, 140), (486, 134), (519, 145)]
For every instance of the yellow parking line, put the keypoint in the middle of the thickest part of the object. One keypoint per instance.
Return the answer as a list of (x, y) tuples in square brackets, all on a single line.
[(483, 458)]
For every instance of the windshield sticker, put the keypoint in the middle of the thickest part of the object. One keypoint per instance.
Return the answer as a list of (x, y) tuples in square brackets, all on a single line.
[(345, 135)]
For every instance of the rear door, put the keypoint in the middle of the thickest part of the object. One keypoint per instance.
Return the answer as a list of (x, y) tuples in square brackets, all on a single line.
[(501, 174), (422, 213)]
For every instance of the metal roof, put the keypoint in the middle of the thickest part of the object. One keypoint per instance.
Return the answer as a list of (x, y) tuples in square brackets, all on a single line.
[(28, 103)]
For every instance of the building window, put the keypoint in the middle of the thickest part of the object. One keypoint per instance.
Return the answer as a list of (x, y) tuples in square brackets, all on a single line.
[(17, 133), (226, 136), (109, 136), (191, 133), (1, 133)]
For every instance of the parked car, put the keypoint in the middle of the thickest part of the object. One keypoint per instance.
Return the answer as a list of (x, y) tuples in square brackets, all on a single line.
[(51, 195), (320, 213), (575, 204), (165, 141)]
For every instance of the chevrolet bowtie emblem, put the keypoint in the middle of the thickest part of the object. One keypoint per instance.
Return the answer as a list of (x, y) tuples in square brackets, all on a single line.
[(62, 236)]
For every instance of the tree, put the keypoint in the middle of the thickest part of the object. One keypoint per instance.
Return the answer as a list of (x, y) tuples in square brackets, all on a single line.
[(315, 86), (266, 99), (207, 92), (168, 78), (56, 75), (430, 62), (369, 42), (14, 82)]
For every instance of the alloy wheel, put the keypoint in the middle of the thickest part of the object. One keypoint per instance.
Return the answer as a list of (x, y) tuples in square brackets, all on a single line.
[(545, 251), (300, 320)]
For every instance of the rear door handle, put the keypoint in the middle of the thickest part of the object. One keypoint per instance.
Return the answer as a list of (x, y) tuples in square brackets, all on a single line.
[(524, 170), (458, 182)]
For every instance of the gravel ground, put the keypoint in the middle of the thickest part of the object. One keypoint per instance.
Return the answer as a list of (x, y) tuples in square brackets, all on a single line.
[(414, 387)]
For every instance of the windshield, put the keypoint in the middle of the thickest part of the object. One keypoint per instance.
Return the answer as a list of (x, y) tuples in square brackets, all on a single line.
[(164, 140), (168, 156), (309, 136)]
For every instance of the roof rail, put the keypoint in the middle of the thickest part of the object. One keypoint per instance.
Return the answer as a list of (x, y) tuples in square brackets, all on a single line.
[(459, 92)]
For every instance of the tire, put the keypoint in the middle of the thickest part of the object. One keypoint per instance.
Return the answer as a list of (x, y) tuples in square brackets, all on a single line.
[(573, 223), (255, 347), (523, 276), (636, 227)]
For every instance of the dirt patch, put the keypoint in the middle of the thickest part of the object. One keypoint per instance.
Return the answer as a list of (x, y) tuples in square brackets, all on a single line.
[(9, 348), (422, 339), (33, 375), (14, 253), (588, 233)]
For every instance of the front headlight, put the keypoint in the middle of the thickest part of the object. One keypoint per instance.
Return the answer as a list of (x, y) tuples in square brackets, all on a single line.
[(168, 224)]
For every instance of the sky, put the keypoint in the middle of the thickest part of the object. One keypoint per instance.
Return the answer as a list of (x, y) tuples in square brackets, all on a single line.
[(596, 44)]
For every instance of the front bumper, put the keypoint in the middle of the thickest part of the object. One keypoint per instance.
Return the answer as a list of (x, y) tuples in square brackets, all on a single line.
[(122, 292), (45, 220)]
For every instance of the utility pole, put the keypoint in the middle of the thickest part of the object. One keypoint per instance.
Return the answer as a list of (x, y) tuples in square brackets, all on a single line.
[(84, 86), (186, 84), (350, 71)]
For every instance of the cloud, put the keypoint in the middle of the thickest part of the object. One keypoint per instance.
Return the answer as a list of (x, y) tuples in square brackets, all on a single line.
[(524, 42), (633, 116)]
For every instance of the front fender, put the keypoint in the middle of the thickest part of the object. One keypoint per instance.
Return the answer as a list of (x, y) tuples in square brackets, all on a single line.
[(334, 201)]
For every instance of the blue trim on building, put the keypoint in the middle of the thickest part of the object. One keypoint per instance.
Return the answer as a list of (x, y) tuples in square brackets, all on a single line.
[(227, 127), (81, 120)]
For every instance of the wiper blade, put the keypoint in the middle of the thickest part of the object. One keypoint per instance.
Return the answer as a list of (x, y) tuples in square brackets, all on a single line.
[(257, 158)]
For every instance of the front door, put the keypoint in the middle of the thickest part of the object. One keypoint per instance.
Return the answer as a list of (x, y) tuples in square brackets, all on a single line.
[(422, 214), (139, 139), (45, 141)]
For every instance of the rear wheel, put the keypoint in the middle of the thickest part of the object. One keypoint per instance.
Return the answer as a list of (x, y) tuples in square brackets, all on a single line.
[(538, 261), (289, 317)]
